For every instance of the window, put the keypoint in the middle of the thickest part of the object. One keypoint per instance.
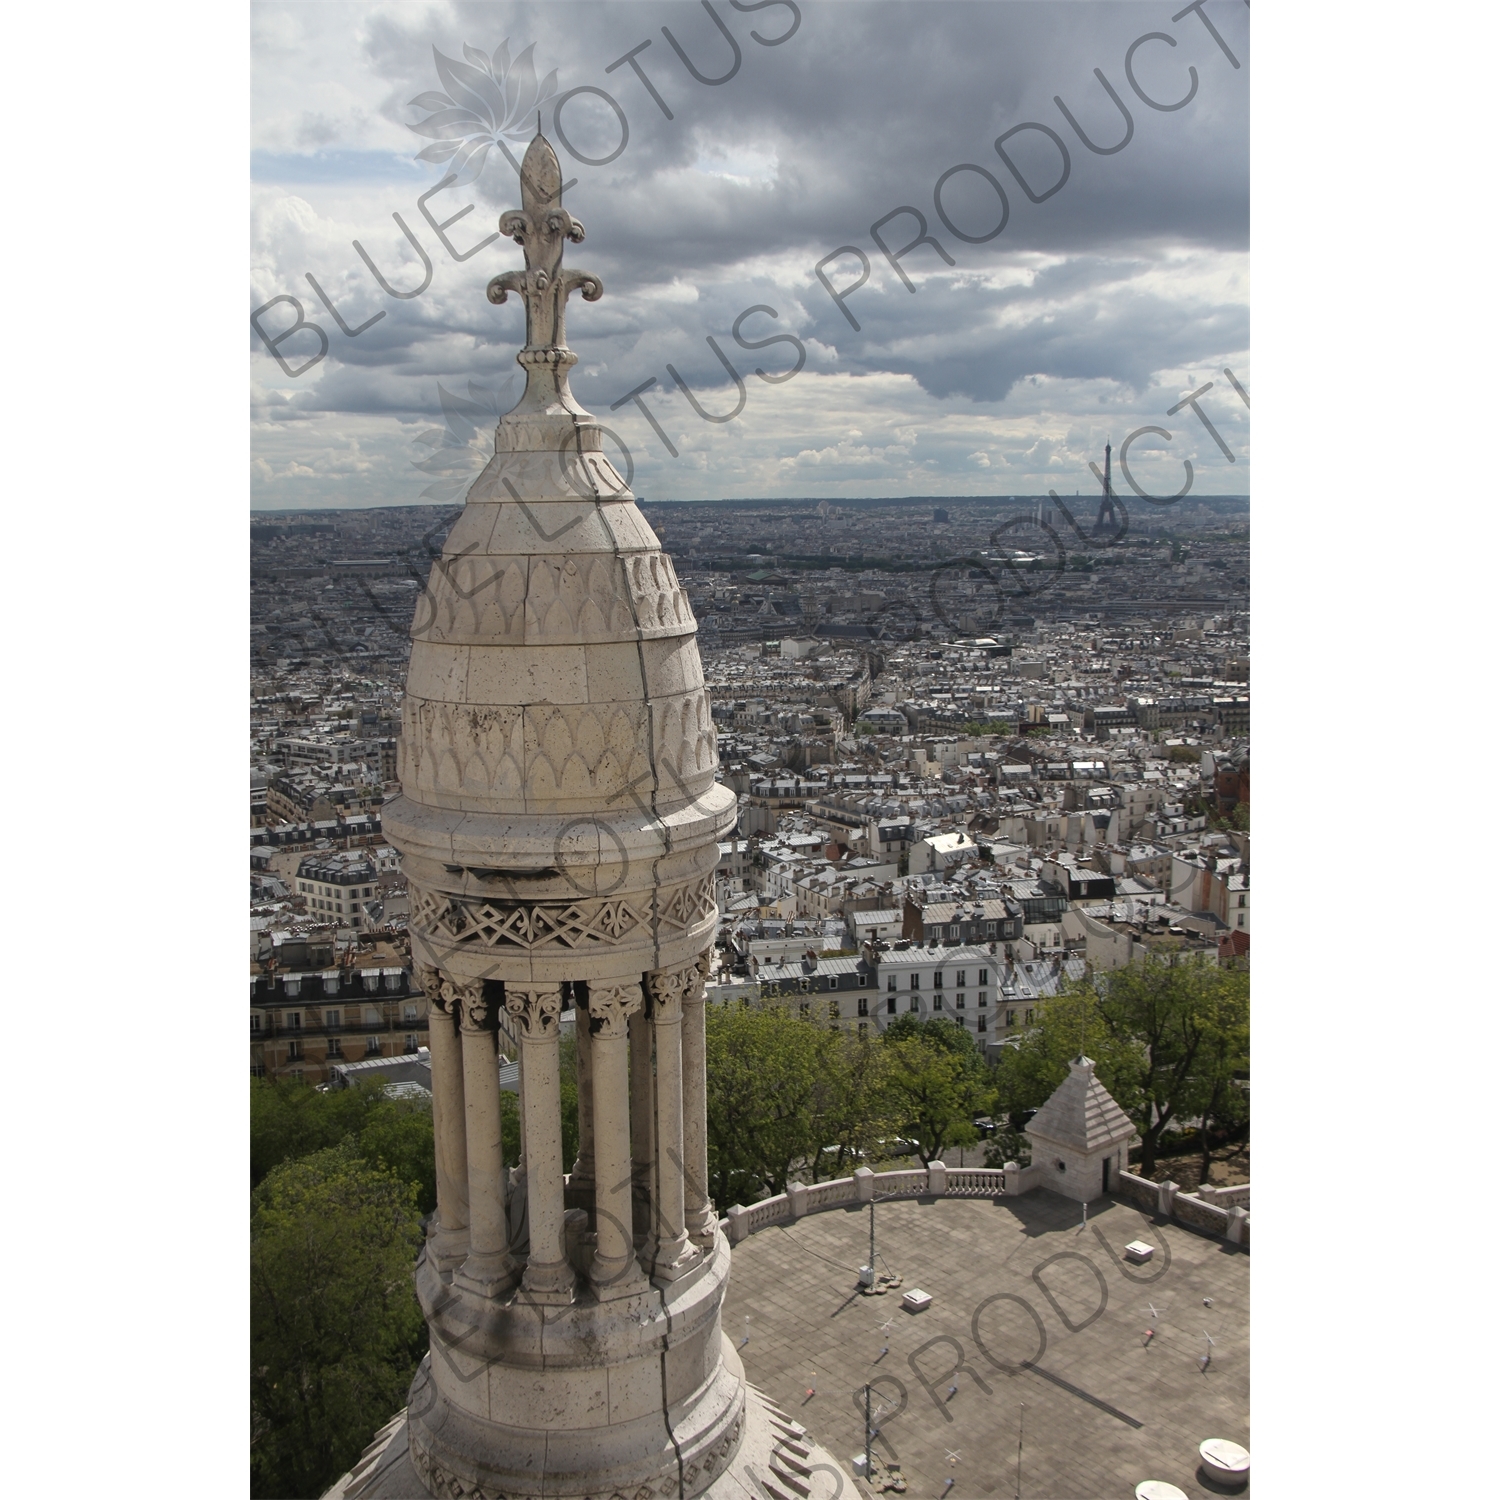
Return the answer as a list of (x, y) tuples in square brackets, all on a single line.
[(833, 1010), (294, 1020), (890, 1006), (937, 980), (984, 1023), (984, 976), (864, 1027), (913, 1006), (864, 1006), (257, 1068), (1010, 1018), (916, 981), (937, 1002), (953, 930), (864, 979), (960, 981), (372, 1046), (335, 1047), (891, 982), (983, 999), (804, 1010), (411, 1041), (293, 1051), (332, 1019), (1028, 1018), (833, 981), (408, 1012), (960, 1002), (255, 1023)]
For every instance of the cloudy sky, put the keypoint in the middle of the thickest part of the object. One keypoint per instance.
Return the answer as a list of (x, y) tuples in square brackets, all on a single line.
[(1087, 316)]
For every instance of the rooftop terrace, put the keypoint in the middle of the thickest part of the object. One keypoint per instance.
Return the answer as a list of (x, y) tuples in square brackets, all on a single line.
[(1029, 1307)]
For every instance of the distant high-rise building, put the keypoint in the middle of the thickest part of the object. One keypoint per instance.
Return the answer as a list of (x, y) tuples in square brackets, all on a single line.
[(1107, 500)]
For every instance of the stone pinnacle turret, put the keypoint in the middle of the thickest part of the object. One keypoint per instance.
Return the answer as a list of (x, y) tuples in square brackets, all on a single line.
[(558, 825)]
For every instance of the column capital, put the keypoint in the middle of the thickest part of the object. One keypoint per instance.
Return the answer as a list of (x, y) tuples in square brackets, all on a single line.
[(536, 1008), (611, 1004), (466, 1000), (693, 994), (430, 981), (671, 989)]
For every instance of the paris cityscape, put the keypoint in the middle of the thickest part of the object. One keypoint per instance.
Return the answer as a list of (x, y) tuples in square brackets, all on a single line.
[(1004, 741)]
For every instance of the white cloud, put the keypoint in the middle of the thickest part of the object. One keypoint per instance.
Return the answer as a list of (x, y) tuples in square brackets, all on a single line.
[(1087, 318)]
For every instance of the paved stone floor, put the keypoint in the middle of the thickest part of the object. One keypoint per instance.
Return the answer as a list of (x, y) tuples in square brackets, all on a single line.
[(1028, 1308)]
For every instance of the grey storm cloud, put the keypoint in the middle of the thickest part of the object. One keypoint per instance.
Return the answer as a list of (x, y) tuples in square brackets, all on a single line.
[(732, 202)]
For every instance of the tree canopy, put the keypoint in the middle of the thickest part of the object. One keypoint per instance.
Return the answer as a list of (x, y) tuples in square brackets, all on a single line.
[(335, 1328), (290, 1118), (937, 1083), (1167, 1035)]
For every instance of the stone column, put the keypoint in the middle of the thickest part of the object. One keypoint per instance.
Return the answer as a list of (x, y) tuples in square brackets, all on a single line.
[(614, 1270), (450, 1239), (672, 1252), (548, 1276), (581, 1182), (489, 1270), (699, 1213), (642, 1134)]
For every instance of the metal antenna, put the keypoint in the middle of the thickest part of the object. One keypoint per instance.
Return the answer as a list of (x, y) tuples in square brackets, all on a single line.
[(867, 1432), (1020, 1441)]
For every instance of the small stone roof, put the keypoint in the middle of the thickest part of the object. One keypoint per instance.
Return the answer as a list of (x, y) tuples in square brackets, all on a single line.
[(1081, 1114)]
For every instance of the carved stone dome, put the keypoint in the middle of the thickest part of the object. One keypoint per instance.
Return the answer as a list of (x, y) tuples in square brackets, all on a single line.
[(557, 751)]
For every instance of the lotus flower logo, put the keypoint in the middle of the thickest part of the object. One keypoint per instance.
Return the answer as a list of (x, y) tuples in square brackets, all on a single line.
[(459, 447), (489, 99)]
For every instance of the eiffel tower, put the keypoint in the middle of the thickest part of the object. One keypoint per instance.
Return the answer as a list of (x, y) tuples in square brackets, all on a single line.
[(1107, 500)]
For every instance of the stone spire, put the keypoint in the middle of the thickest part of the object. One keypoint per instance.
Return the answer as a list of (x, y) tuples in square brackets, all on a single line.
[(540, 226), (558, 825)]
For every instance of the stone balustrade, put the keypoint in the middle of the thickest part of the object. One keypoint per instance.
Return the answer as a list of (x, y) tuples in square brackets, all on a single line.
[(864, 1187), (1229, 1220), (1226, 1197), (1219, 1211)]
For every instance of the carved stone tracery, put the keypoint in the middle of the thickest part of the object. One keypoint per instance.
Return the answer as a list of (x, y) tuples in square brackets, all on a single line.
[(563, 925)]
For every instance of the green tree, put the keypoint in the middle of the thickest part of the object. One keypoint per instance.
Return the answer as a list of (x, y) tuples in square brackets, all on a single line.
[(853, 1104), (937, 1083), (1067, 1024), (1152, 1027), (290, 1119), (335, 1328), (1215, 1094), (766, 1068), (397, 1134)]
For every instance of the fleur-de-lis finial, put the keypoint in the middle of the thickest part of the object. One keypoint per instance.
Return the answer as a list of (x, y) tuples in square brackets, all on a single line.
[(539, 227)]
